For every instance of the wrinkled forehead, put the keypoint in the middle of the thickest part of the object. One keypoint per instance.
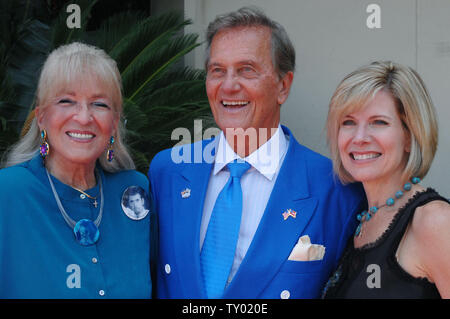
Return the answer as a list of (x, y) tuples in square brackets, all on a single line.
[(239, 39)]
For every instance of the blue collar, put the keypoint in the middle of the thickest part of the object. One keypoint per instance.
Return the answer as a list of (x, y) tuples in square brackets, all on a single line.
[(66, 192)]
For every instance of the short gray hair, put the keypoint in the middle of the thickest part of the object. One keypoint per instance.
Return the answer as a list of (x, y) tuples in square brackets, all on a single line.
[(283, 52)]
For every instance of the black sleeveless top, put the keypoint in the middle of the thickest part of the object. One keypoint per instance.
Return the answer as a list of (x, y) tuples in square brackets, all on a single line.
[(372, 271)]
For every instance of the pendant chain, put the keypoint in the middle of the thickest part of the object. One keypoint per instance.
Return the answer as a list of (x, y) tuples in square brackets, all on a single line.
[(66, 216)]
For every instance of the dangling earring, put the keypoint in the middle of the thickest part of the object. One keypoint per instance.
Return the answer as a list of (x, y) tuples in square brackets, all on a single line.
[(44, 148), (110, 153)]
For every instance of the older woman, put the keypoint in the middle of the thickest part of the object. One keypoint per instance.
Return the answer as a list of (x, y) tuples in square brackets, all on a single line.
[(63, 233), (382, 132)]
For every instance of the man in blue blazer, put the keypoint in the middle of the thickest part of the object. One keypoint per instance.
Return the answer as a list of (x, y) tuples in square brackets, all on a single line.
[(293, 217)]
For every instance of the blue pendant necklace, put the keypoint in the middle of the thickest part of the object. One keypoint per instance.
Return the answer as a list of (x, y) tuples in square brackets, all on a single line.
[(367, 215), (85, 230)]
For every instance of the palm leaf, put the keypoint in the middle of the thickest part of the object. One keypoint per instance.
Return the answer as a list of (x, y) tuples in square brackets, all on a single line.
[(26, 59), (159, 93), (134, 116), (114, 29), (60, 33), (144, 33), (167, 56), (23, 47)]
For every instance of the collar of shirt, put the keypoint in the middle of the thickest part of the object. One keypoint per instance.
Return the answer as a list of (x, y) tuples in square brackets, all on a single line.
[(266, 159)]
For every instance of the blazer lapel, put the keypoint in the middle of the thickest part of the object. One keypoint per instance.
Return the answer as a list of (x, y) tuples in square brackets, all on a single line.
[(276, 236), (186, 225)]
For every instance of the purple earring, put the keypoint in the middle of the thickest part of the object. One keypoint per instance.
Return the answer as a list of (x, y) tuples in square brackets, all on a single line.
[(110, 153), (44, 148)]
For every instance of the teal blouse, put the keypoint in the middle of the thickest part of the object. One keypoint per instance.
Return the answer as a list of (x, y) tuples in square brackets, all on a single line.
[(39, 255)]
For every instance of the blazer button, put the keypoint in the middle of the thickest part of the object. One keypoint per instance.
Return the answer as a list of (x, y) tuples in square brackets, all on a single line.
[(285, 294), (167, 268)]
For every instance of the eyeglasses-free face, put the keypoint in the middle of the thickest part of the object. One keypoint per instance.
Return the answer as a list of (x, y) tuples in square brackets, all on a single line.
[(79, 121), (373, 143), (243, 87)]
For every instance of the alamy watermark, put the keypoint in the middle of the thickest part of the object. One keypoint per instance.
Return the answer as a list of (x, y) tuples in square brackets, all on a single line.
[(191, 149), (373, 21), (74, 18), (374, 279), (74, 278)]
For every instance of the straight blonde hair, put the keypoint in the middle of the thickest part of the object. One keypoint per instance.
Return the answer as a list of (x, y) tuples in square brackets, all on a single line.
[(64, 65), (414, 107)]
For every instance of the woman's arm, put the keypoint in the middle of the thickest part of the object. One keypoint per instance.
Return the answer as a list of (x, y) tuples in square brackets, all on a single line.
[(431, 229)]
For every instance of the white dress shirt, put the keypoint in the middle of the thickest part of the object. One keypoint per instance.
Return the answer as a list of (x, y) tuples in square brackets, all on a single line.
[(257, 184)]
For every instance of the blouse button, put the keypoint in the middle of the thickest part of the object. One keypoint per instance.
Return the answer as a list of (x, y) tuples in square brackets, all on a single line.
[(167, 268), (285, 294), (94, 260), (101, 292), (82, 196)]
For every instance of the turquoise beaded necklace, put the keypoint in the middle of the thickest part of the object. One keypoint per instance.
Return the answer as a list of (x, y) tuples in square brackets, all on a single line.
[(367, 215)]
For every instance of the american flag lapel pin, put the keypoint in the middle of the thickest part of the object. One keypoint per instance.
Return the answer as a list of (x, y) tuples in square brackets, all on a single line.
[(289, 212)]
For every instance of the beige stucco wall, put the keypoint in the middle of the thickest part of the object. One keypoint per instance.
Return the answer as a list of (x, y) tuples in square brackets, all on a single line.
[(331, 38)]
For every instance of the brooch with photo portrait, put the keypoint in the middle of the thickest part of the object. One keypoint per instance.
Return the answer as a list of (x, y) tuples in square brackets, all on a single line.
[(135, 203)]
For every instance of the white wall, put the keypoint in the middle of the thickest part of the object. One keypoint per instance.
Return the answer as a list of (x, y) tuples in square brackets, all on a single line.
[(331, 39)]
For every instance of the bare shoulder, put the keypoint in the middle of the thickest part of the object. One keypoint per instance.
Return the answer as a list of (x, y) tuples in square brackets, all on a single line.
[(430, 234), (432, 221)]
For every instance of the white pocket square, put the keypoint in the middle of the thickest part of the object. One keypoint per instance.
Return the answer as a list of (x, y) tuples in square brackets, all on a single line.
[(305, 251)]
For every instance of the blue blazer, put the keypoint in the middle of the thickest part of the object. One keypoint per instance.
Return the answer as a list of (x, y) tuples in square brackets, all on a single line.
[(306, 184)]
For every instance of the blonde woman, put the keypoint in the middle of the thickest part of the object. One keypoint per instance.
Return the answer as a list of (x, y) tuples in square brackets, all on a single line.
[(382, 132), (63, 233)]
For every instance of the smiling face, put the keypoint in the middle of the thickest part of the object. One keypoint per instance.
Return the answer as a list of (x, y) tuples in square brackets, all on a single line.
[(79, 120), (373, 143), (243, 87)]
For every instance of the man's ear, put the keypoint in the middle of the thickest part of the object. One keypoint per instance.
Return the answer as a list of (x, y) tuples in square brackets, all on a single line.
[(285, 86)]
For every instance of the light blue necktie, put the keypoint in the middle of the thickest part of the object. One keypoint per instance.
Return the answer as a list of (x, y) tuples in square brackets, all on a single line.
[(221, 238)]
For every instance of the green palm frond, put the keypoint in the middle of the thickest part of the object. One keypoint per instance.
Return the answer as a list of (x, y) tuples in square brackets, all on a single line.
[(158, 61), (135, 118), (142, 35), (114, 29), (150, 49), (140, 159), (188, 91), (23, 47), (61, 34), (26, 58), (160, 94)]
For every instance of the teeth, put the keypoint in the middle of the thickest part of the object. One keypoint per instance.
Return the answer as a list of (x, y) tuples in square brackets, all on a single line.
[(80, 136), (234, 103), (365, 156)]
